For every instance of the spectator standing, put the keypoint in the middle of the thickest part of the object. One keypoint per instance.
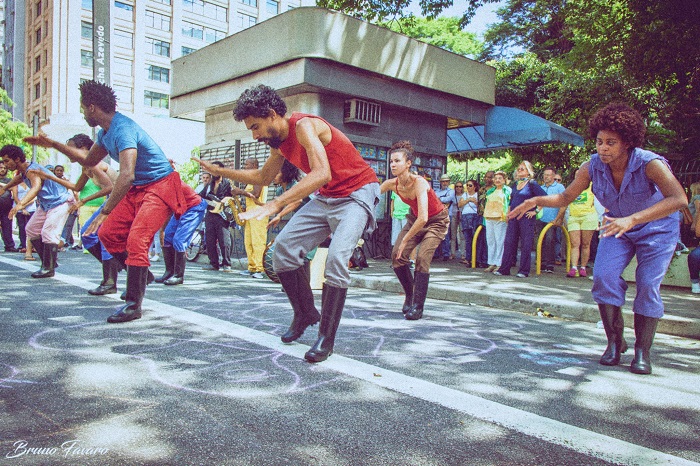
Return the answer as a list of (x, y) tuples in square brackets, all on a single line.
[(447, 197), (456, 222), (19, 192), (694, 257), (468, 203), (482, 253), (497, 200), (255, 235), (582, 222), (67, 233), (548, 215), (5, 208), (216, 227), (522, 229)]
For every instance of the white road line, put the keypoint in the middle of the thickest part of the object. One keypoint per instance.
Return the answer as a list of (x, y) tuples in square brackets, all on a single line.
[(549, 430)]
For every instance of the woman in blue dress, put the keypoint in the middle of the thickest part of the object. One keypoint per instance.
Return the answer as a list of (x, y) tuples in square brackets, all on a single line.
[(642, 198)]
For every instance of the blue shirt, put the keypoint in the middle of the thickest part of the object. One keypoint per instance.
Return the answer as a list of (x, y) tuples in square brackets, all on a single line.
[(447, 197), (637, 191), (550, 213), (51, 194), (151, 163), (530, 190)]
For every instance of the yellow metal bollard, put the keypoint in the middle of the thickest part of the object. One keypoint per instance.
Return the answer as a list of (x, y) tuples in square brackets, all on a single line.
[(538, 259), (474, 240)]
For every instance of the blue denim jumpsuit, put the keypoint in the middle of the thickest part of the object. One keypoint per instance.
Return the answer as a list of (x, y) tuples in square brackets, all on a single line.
[(653, 242)]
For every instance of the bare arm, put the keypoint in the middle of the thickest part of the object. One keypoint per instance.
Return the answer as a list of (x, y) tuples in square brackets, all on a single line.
[(36, 183), (696, 220), (94, 156), (15, 181), (261, 176), (388, 185)]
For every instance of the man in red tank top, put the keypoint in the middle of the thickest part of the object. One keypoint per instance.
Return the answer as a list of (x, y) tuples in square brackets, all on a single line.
[(348, 191)]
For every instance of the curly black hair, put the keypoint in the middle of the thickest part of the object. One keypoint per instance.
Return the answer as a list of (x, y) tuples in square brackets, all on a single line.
[(82, 141), (13, 152), (257, 102), (98, 94), (403, 146), (621, 119)]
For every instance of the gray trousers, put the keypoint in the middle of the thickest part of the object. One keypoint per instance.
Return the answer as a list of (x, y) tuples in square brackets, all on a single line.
[(345, 218)]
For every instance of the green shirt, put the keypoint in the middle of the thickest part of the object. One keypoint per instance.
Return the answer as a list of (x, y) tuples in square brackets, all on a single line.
[(401, 209), (89, 189)]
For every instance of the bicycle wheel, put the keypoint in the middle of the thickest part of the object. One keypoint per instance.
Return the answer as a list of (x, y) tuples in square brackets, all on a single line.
[(195, 247)]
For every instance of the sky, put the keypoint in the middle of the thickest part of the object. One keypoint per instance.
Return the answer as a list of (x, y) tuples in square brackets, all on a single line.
[(484, 16)]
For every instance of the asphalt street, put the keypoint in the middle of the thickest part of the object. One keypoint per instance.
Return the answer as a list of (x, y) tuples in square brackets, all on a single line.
[(203, 378)]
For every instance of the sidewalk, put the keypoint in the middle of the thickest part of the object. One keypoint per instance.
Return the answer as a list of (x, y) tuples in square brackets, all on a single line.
[(566, 298)]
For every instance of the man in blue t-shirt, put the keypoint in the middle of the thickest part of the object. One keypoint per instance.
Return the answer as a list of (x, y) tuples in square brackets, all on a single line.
[(145, 193), (53, 200)]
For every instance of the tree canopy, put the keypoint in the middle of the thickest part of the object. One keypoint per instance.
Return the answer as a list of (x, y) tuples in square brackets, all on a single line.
[(563, 59)]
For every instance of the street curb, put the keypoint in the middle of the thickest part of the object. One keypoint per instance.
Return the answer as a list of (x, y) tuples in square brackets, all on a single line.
[(583, 312)]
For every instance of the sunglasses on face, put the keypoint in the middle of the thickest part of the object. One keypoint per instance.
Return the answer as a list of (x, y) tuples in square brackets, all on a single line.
[(458, 186)]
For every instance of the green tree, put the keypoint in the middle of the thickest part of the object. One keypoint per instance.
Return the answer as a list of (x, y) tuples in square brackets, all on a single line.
[(189, 171), (386, 10), (12, 131), (445, 33)]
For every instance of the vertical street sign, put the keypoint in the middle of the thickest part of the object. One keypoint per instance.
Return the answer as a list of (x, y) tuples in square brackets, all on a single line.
[(100, 41)]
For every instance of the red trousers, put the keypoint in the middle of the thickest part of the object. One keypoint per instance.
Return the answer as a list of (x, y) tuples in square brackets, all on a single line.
[(138, 216)]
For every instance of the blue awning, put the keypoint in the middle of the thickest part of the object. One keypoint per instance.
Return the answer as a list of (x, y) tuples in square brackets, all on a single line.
[(508, 127)]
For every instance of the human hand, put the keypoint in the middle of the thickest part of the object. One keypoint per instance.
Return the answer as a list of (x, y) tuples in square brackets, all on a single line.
[(41, 140), (76, 206), (530, 213), (615, 226), (207, 166), (11, 214), (519, 211), (96, 222), (264, 211)]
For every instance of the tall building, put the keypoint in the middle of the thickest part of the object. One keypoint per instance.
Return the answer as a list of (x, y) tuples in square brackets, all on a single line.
[(145, 37)]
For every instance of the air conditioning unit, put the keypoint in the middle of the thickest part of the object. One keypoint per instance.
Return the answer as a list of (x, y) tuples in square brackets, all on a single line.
[(362, 111)]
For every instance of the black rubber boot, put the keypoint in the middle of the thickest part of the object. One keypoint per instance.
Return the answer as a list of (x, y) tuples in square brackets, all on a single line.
[(614, 326), (96, 251), (136, 278), (48, 261), (406, 279), (420, 292), (179, 261), (296, 285), (169, 260), (333, 301), (38, 246), (110, 271), (644, 330)]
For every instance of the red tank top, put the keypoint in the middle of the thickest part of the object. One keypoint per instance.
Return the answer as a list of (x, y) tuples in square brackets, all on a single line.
[(349, 171), (435, 205)]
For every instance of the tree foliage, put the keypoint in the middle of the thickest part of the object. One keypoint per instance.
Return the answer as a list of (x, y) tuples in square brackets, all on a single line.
[(446, 33), (387, 10), (13, 131)]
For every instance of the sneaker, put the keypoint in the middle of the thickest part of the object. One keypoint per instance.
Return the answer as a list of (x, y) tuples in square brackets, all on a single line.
[(549, 270), (155, 258), (695, 288), (572, 273), (521, 275), (582, 272), (257, 275), (496, 272), (226, 268), (245, 273), (210, 267)]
